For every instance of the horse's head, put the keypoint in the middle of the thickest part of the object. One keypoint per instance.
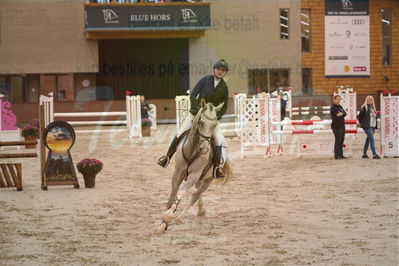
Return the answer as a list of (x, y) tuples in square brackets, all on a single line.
[(208, 118)]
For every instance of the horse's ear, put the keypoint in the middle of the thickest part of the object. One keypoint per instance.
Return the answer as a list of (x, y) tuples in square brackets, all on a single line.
[(203, 104), (217, 108)]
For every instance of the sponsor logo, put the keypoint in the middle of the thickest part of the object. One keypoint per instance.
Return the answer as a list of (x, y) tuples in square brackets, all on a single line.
[(189, 15), (358, 57), (351, 46), (360, 34), (359, 68), (110, 16), (348, 34), (335, 34), (338, 22), (338, 57), (360, 46), (358, 21), (347, 68), (337, 46), (347, 5)]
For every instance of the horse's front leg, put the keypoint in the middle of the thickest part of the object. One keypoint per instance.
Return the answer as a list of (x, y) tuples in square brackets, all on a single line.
[(176, 182), (169, 214), (195, 196)]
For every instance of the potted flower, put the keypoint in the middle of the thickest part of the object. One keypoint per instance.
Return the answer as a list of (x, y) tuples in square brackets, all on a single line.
[(30, 133), (89, 168), (146, 124)]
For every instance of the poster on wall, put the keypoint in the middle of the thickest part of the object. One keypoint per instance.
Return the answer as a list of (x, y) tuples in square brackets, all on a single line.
[(347, 38)]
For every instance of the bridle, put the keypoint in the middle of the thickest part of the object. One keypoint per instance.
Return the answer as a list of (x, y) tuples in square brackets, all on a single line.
[(208, 138)]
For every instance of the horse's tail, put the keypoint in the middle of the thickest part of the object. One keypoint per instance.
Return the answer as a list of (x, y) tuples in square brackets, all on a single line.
[(228, 174)]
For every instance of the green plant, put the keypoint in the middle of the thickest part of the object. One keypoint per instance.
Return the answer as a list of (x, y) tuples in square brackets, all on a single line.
[(89, 166), (30, 130), (146, 122)]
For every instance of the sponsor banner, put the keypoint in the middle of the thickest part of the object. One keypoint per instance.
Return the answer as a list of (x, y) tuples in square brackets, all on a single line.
[(389, 125), (156, 17), (347, 38), (263, 122), (275, 114)]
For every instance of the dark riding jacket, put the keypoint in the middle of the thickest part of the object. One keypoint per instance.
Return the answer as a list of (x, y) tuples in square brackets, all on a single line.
[(337, 122), (205, 89)]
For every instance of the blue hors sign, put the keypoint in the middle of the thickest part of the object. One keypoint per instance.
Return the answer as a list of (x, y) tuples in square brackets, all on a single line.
[(153, 17)]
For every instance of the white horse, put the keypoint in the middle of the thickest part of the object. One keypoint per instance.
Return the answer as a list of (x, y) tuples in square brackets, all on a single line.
[(194, 163)]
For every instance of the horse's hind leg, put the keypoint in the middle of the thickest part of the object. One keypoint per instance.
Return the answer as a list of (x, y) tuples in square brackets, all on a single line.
[(195, 196), (201, 210)]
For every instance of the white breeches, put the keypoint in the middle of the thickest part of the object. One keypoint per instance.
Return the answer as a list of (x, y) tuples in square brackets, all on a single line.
[(187, 123)]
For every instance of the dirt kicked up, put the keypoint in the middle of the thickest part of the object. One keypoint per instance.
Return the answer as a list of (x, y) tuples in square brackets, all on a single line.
[(282, 210)]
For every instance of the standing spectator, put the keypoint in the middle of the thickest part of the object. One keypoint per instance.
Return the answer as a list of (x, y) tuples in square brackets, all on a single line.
[(368, 121), (283, 105), (338, 126), (145, 107)]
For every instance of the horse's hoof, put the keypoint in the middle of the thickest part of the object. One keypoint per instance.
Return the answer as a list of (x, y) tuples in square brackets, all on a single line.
[(167, 219), (178, 220), (161, 229), (203, 213)]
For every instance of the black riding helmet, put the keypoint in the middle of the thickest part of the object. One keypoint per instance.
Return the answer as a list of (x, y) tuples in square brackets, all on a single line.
[(221, 63)]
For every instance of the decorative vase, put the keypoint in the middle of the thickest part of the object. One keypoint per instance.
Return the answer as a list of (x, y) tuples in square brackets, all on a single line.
[(90, 180), (146, 131), (30, 138)]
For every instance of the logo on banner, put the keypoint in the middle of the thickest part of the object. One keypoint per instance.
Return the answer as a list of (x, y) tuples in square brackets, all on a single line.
[(110, 16), (348, 34), (347, 4), (358, 21), (335, 34), (358, 57), (359, 68), (360, 34), (338, 46), (338, 57), (188, 15), (347, 68)]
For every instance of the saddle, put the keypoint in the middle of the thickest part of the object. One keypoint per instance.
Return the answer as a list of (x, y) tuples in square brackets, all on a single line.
[(189, 161)]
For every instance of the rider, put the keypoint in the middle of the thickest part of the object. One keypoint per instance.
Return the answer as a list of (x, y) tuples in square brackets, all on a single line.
[(214, 90)]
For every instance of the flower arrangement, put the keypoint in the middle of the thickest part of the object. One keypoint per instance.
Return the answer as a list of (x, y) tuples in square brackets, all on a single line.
[(146, 122), (89, 166), (35, 122), (30, 130)]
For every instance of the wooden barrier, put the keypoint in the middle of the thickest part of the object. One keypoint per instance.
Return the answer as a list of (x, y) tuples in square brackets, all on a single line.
[(131, 117), (11, 173)]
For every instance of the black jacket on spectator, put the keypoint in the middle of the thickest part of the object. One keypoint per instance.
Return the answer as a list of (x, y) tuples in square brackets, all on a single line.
[(364, 117), (205, 89), (337, 122)]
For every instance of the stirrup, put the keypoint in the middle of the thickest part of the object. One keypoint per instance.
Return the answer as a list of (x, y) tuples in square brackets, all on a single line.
[(164, 161)]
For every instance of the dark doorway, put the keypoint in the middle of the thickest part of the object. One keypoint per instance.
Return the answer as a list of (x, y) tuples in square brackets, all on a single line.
[(157, 69)]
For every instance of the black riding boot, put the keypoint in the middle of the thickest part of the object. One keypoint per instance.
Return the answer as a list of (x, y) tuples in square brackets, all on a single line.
[(164, 160), (217, 170)]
